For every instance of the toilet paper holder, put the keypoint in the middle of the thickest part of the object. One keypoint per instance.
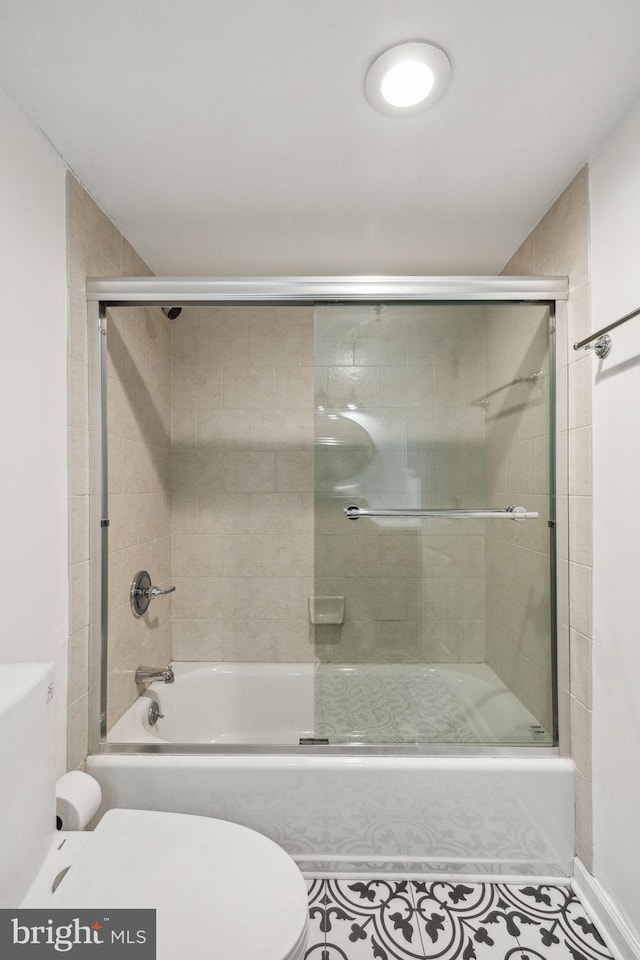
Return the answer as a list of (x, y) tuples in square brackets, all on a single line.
[(78, 799)]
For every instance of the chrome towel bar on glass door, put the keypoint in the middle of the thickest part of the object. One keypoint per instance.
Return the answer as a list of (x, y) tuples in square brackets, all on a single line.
[(354, 512)]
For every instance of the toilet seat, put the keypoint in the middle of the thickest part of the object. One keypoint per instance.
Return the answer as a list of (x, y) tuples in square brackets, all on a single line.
[(219, 889)]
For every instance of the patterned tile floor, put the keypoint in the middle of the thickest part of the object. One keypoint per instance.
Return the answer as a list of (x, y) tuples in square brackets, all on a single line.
[(414, 920)]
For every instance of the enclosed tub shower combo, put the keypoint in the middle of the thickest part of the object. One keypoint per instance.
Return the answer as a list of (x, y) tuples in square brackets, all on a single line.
[(323, 565)]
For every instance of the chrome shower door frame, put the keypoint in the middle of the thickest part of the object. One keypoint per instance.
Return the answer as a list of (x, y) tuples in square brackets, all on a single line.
[(103, 293)]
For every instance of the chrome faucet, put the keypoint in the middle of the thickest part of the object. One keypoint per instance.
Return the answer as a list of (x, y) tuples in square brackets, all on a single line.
[(150, 674)]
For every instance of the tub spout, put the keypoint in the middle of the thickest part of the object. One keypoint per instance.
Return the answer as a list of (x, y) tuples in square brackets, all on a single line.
[(149, 674)]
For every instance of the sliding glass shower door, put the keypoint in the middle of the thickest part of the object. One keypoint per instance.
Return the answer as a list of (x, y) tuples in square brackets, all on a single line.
[(433, 601)]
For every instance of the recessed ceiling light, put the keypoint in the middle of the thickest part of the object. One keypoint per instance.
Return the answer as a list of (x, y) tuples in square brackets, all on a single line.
[(407, 78)]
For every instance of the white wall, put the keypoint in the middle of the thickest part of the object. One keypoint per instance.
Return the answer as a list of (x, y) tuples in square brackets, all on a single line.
[(615, 285), (33, 332)]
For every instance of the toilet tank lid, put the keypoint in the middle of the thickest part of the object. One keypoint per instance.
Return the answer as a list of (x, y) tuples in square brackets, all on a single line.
[(16, 680)]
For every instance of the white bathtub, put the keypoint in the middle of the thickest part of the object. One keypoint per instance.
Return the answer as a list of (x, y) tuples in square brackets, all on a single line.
[(345, 812), (282, 703), (225, 703)]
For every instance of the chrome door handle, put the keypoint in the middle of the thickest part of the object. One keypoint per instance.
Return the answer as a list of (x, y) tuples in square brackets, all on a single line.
[(509, 513)]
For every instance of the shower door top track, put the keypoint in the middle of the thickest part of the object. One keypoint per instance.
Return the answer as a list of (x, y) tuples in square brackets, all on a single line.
[(199, 291)]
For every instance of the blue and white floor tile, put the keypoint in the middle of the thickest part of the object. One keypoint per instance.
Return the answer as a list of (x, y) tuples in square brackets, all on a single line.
[(434, 920)]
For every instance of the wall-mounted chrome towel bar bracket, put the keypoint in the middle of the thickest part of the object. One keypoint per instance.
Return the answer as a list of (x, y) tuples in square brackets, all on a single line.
[(600, 342), (354, 512)]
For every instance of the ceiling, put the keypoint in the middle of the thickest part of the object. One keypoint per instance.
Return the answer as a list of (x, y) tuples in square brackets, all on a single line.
[(233, 137)]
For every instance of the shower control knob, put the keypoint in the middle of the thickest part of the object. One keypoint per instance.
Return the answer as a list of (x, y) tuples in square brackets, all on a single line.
[(142, 592)]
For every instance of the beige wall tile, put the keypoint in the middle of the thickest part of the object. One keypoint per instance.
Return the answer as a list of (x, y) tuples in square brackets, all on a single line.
[(445, 557), (249, 386), (584, 826), (77, 732), (581, 655), (249, 472), (580, 530), (580, 462), (294, 471), (293, 555), (160, 560), (454, 599), (580, 374), (97, 231), (223, 429), (581, 738), (221, 512), (275, 340), (578, 321), (580, 598), (184, 427), (122, 406), (78, 665), (287, 513), (274, 598), (78, 393), (454, 641), (398, 389), (522, 262), (279, 428), (78, 440), (77, 326), (184, 380), (353, 642), (132, 264), (248, 556), (196, 555), (249, 640), (360, 385), (294, 386), (184, 512), (209, 383), (198, 640), (78, 529), (294, 641), (94, 246), (350, 556), (79, 597)]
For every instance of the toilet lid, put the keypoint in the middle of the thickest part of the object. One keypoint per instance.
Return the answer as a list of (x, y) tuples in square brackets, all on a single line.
[(219, 889)]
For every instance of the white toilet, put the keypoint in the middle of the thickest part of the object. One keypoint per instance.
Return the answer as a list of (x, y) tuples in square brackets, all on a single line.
[(219, 889)]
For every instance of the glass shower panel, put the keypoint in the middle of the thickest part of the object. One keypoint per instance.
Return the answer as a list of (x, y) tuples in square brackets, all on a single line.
[(433, 629)]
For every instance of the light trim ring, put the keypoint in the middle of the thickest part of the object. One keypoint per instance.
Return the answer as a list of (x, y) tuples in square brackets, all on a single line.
[(431, 62)]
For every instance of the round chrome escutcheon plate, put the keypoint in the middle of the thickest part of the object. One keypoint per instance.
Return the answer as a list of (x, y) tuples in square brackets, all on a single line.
[(140, 598)]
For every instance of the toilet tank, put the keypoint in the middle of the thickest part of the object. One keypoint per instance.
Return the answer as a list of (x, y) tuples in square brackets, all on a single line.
[(27, 775)]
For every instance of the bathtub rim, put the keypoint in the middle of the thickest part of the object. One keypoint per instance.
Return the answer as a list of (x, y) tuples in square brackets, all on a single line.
[(442, 750)]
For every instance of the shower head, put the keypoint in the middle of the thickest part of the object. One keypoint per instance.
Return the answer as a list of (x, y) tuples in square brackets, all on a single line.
[(172, 312)]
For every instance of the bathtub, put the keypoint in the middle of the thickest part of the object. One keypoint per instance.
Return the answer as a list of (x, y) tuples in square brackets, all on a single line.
[(463, 811), (284, 703), (266, 703)]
